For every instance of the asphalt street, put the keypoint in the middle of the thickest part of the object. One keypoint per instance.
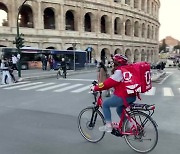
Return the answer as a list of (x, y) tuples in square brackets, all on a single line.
[(38, 118)]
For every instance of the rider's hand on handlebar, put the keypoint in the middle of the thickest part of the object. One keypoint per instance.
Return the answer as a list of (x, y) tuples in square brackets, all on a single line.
[(92, 88)]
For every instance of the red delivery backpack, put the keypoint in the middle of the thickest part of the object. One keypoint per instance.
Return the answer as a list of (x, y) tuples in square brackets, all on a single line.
[(137, 77)]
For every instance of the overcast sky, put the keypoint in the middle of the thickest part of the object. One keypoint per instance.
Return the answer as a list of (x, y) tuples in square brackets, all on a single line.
[(168, 17)]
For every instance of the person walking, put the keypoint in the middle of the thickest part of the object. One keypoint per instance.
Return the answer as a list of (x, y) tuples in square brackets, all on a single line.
[(14, 62), (5, 71), (103, 75), (63, 66)]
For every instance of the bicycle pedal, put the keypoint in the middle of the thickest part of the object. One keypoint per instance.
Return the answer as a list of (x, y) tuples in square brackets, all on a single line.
[(116, 132)]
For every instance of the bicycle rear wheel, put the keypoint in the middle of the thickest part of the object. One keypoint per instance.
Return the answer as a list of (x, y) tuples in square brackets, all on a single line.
[(147, 136), (89, 121)]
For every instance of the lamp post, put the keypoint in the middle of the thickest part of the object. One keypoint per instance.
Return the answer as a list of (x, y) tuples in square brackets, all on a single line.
[(74, 48), (19, 40)]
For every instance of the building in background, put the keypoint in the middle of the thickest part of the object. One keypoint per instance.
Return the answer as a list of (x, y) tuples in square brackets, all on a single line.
[(130, 27)]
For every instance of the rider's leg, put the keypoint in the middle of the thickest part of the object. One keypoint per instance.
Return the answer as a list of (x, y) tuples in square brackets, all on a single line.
[(113, 101), (120, 107)]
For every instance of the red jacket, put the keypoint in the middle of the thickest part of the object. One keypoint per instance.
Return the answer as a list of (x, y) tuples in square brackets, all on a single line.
[(115, 81)]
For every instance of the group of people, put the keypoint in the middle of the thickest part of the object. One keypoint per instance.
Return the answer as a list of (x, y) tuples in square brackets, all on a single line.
[(8, 65), (45, 60)]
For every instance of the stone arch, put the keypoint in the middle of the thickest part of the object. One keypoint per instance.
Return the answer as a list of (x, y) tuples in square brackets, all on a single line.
[(136, 55), (104, 24), (4, 12), (143, 55), (105, 55), (128, 27), (88, 22), (118, 51), (49, 18), (136, 29), (128, 54), (117, 26), (143, 30), (69, 20), (26, 17)]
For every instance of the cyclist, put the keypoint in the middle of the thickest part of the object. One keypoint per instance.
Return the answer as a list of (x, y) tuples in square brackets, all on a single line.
[(63, 66), (120, 95)]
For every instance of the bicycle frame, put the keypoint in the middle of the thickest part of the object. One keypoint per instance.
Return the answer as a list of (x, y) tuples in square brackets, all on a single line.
[(125, 115)]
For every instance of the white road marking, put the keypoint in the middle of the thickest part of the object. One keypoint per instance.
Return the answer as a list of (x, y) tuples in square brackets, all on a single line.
[(53, 87), (167, 91), (13, 84), (36, 86), (67, 88), (24, 85), (77, 79), (151, 91), (81, 89), (162, 81)]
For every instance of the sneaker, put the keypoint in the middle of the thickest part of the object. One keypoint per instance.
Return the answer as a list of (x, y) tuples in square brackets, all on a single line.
[(106, 128)]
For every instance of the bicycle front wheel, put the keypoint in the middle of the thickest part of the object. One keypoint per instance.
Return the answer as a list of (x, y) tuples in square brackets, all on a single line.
[(147, 134), (89, 121)]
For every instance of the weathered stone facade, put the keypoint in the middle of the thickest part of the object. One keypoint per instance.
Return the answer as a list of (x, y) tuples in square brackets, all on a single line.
[(130, 27)]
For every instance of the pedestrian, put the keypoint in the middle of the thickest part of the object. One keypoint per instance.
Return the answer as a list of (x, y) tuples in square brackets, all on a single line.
[(14, 62), (63, 66), (5, 71), (102, 75), (11, 70), (50, 60), (44, 62)]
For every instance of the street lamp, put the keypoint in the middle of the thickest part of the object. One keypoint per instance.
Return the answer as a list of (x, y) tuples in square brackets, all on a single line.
[(74, 48), (19, 40)]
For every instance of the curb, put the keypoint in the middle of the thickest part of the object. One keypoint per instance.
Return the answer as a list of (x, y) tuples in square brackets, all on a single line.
[(51, 75)]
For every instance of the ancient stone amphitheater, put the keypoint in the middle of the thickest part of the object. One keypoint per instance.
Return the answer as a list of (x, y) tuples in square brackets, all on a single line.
[(130, 27)]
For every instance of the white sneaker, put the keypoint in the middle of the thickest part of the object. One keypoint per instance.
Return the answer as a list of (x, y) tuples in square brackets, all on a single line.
[(106, 128)]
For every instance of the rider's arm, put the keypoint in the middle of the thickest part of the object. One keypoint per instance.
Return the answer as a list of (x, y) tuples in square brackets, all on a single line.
[(110, 82)]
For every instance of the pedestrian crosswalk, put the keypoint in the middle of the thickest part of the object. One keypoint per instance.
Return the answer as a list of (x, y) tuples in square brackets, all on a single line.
[(77, 88)]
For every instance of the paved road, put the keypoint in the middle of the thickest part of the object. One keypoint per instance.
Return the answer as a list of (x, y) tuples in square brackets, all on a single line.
[(44, 122)]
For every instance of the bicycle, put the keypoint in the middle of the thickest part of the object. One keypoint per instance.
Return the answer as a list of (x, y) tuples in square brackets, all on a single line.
[(135, 125), (60, 73)]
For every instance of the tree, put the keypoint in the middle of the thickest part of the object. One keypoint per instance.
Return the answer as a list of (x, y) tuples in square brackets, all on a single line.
[(163, 46)]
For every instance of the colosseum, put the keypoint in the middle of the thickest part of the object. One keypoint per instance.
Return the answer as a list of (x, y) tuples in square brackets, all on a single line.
[(130, 27)]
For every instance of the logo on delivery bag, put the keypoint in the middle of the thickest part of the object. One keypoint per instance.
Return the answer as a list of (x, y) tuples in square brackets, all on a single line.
[(148, 77), (127, 76)]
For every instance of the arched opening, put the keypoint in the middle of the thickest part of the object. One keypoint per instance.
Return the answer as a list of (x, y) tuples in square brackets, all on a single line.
[(70, 48), (127, 2), (136, 55), (104, 24), (136, 4), (70, 20), (143, 5), (49, 19), (143, 55), (50, 47), (128, 27), (136, 29), (148, 32), (117, 51), (143, 30), (117, 26), (87, 22), (3, 15), (128, 54), (26, 17)]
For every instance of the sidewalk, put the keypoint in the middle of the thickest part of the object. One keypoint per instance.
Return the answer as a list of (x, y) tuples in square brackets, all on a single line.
[(35, 74)]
